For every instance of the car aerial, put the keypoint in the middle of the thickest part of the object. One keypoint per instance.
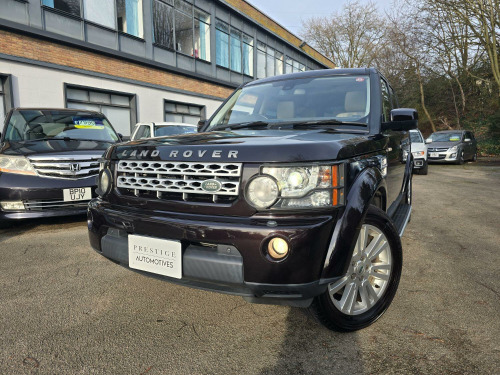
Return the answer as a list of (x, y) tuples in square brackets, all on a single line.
[(292, 193), (419, 152), (451, 146), (161, 129), (49, 161)]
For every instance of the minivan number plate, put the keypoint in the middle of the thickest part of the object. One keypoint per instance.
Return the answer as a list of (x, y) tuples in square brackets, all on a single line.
[(155, 255), (434, 154), (77, 194)]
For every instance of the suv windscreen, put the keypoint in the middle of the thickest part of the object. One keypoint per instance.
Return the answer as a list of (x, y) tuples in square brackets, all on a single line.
[(32, 125), (342, 98), (446, 137)]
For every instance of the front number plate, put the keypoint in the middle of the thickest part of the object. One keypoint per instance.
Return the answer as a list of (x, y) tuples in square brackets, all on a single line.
[(155, 255), (434, 154), (77, 194)]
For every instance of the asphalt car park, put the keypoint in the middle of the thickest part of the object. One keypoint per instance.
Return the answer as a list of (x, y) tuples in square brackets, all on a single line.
[(64, 309)]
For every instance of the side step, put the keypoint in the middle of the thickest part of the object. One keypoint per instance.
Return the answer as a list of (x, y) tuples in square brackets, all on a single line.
[(401, 218)]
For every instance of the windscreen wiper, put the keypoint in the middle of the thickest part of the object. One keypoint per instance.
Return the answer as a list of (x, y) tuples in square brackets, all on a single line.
[(249, 124), (69, 139), (327, 122)]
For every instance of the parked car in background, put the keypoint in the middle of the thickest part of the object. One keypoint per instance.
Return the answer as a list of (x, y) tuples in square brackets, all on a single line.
[(161, 129), (419, 151), (452, 146), (49, 160)]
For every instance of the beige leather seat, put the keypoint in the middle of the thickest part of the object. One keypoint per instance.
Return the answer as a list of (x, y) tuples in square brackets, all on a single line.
[(354, 105)]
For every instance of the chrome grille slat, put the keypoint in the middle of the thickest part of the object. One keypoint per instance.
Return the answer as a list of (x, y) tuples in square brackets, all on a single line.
[(59, 166), (185, 178), (54, 204)]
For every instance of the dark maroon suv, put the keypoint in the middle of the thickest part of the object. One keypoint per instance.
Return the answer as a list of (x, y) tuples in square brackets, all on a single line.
[(294, 192)]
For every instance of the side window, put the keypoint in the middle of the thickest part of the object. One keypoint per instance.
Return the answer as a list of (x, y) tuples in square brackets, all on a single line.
[(386, 101), (394, 99)]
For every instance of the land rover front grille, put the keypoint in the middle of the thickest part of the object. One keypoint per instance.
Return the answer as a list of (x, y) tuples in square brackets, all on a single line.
[(71, 168), (171, 180)]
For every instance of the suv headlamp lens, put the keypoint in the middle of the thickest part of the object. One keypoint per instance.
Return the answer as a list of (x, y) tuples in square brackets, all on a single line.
[(262, 191), (104, 182)]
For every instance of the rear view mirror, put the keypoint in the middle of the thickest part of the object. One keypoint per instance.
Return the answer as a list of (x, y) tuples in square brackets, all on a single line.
[(428, 140)]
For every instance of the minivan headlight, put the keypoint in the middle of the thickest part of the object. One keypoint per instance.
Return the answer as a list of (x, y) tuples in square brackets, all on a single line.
[(453, 149), (16, 164), (300, 186)]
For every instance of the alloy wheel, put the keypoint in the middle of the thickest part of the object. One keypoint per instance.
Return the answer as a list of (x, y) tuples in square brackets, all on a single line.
[(368, 275)]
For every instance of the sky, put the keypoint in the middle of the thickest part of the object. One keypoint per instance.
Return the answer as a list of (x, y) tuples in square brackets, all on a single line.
[(290, 13)]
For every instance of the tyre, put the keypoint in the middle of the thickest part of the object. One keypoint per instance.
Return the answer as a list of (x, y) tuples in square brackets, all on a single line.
[(474, 158), (424, 169), (460, 158), (365, 292)]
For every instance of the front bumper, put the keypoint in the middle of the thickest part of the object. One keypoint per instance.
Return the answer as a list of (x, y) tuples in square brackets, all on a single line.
[(235, 263), (418, 163), (41, 197), (443, 156)]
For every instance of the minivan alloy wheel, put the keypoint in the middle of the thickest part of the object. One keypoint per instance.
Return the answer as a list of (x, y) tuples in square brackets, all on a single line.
[(368, 274)]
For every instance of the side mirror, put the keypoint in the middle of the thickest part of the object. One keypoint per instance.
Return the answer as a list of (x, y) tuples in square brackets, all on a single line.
[(467, 140), (201, 124), (404, 114), (120, 135), (428, 140)]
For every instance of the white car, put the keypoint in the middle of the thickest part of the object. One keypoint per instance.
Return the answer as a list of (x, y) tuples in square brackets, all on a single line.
[(419, 151), (160, 129)]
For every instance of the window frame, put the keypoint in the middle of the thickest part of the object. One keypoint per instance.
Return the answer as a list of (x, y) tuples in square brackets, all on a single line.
[(203, 109), (132, 100), (231, 32)]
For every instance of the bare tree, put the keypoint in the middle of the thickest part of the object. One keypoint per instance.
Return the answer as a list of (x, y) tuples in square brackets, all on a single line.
[(350, 38)]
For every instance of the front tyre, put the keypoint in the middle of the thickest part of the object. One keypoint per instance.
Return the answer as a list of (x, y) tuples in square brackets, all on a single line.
[(363, 294), (425, 168)]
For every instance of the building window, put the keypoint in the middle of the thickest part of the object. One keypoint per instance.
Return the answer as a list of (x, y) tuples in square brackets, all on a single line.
[(269, 61), (68, 6), (234, 49), (163, 24), (184, 112), (119, 108), (261, 60), (222, 44), (181, 25), (129, 17), (293, 66), (101, 12)]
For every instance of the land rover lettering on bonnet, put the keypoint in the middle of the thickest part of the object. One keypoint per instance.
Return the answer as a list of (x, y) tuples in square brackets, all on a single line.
[(294, 192)]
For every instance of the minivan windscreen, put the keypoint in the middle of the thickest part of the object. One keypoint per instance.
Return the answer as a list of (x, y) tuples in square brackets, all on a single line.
[(344, 99), (33, 125)]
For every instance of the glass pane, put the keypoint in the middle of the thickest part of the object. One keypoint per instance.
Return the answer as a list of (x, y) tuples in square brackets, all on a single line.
[(201, 40), (120, 100), (289, 69), (202, 16), (169, 107), (279, 65), (302, 67), (261, 46), (99, 97), (222, 48), (119, 118), (248, 39), (182, 108), (261, 64), (247, 59), (129, 17), (2, 109), (184, 33), (191, 119), (90, 107), (171, 117), (77, 94), (194, 110), (100, 11), (69, 6), (270, 51), (163, 24), (222, 26), (269, 65), (143, 132), (183, 6), (236, 52)]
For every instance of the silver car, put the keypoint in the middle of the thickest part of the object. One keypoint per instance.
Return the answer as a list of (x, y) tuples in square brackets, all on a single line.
[(161, 129), (451, 146)]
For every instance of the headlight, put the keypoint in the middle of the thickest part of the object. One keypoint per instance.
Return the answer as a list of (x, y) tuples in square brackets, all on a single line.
[(418, 154), (300, 186), (453, 149), (104, 182), (262, 191), (16, 164)]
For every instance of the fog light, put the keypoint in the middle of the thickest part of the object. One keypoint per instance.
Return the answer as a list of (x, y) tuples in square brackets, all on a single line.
[(277, 248), (12, 205)]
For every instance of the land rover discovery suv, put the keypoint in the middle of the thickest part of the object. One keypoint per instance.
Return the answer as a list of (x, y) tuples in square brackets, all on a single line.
[(294, 192)]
